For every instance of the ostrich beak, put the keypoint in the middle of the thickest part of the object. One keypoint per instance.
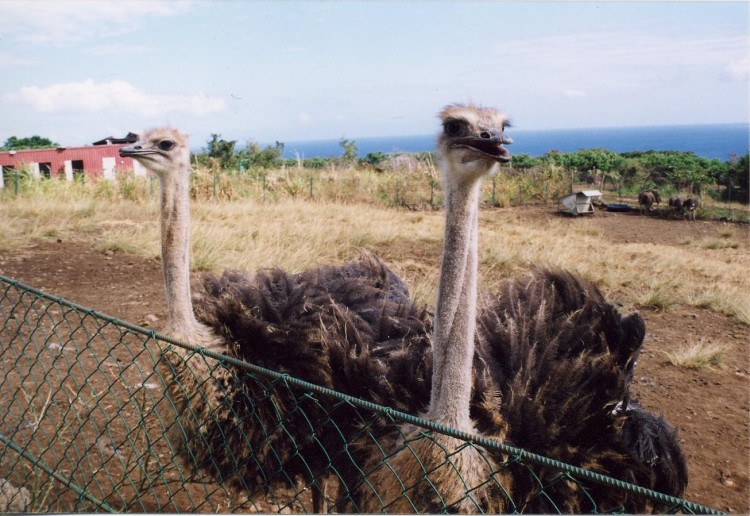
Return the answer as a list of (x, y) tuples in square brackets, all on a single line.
[(136, 150), (489, 144), (131, 151)]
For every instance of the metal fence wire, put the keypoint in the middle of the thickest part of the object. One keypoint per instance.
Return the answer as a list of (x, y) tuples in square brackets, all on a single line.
[(83, 426)]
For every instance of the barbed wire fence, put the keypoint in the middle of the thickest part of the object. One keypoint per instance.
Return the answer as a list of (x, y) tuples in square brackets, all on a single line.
[(80, 430)]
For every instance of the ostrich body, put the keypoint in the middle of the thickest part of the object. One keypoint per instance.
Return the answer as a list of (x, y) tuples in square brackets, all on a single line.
[(563, 358)]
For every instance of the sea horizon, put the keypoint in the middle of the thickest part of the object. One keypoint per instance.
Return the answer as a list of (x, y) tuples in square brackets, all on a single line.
[(711, 141)]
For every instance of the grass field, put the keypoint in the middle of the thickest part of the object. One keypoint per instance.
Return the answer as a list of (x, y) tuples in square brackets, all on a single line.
[(298, 232)]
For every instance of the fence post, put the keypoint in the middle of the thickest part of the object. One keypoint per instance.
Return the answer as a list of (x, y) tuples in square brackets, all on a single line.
[(311, 187), (494, 192), (432, 193)]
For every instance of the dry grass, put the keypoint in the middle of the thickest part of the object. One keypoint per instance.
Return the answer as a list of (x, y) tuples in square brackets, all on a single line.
[(297, 233), (699, 355)]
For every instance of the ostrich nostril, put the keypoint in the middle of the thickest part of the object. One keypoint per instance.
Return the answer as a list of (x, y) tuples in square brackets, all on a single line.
[(485, 134), (137, 147)]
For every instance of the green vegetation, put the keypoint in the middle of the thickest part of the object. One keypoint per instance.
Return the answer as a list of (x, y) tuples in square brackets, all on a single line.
[(34, 142)]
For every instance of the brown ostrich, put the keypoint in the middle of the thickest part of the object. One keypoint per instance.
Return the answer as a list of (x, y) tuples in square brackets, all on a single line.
[(551, 374), (439, 471), (318, 326), (689, 206), (646, 200)]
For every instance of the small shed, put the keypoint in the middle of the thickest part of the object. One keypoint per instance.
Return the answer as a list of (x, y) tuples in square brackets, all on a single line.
[(579, 203)]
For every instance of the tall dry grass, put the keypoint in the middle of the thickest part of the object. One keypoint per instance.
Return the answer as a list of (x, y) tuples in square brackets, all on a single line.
[(295, 232)]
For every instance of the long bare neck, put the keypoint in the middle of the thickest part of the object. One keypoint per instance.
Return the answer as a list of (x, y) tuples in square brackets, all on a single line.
[(455, 314), (175, 247)]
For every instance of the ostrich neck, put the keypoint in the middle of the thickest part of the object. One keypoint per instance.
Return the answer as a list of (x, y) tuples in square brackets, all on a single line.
[(175, 242), (455, 314)]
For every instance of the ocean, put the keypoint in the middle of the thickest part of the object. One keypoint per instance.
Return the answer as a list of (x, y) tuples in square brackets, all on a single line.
[(718, 141)]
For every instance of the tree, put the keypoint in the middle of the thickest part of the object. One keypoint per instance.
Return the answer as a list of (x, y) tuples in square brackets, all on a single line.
[(268, 157), (373, 158), (736, 177), (34, 142), (523, 161), (222, 151), (349, 157)]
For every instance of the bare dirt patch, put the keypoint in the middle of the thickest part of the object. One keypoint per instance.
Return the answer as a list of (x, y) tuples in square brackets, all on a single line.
[(710, 407)]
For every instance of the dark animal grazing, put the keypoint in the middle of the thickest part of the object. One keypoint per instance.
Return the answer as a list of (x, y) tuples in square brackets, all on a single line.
[(689, 207), (656, 194), (646, 200)]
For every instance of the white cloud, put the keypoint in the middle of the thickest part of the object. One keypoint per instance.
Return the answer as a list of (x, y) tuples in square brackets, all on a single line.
[(118, 50), (119, 96), (304, 118), (11, 60), (61, 22), (739, 69), (574, 94)]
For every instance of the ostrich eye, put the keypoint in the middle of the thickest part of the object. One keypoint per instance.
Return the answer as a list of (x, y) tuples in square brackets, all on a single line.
[(166, 145), (453, 128)]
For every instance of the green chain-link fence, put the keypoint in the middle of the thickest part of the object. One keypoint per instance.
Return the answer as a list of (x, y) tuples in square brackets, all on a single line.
[(80, 429)]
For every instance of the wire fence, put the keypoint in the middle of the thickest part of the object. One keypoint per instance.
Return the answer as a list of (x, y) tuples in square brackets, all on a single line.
[(86, 426)]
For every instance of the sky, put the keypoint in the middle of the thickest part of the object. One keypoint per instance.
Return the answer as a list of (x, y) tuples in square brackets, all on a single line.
[(76, 71)]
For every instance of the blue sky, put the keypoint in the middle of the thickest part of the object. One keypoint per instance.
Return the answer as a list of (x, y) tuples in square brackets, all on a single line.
[(76, 71)]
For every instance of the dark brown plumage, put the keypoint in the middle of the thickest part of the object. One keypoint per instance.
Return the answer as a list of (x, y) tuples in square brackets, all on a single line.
[(318, 326), (563, 358)]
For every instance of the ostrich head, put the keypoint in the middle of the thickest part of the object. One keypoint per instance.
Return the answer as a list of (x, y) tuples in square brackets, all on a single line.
[(472, 139), (163, 151)]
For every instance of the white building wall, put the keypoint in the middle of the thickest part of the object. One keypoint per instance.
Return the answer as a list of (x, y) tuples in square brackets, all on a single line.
[(108, 168), (69, 170), (34, 170), (138, 169)]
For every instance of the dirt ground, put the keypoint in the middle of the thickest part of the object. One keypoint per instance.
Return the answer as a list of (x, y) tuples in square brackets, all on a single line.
[(710, 407)]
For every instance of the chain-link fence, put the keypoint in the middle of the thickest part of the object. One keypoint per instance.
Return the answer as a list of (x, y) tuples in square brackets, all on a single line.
[(85, 425)]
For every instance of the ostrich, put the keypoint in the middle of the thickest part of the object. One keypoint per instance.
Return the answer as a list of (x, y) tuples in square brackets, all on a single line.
[(551, 374), (656, 194), (309, 325), (646, 199), (436, 471), (675, 203), (689, 206)]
